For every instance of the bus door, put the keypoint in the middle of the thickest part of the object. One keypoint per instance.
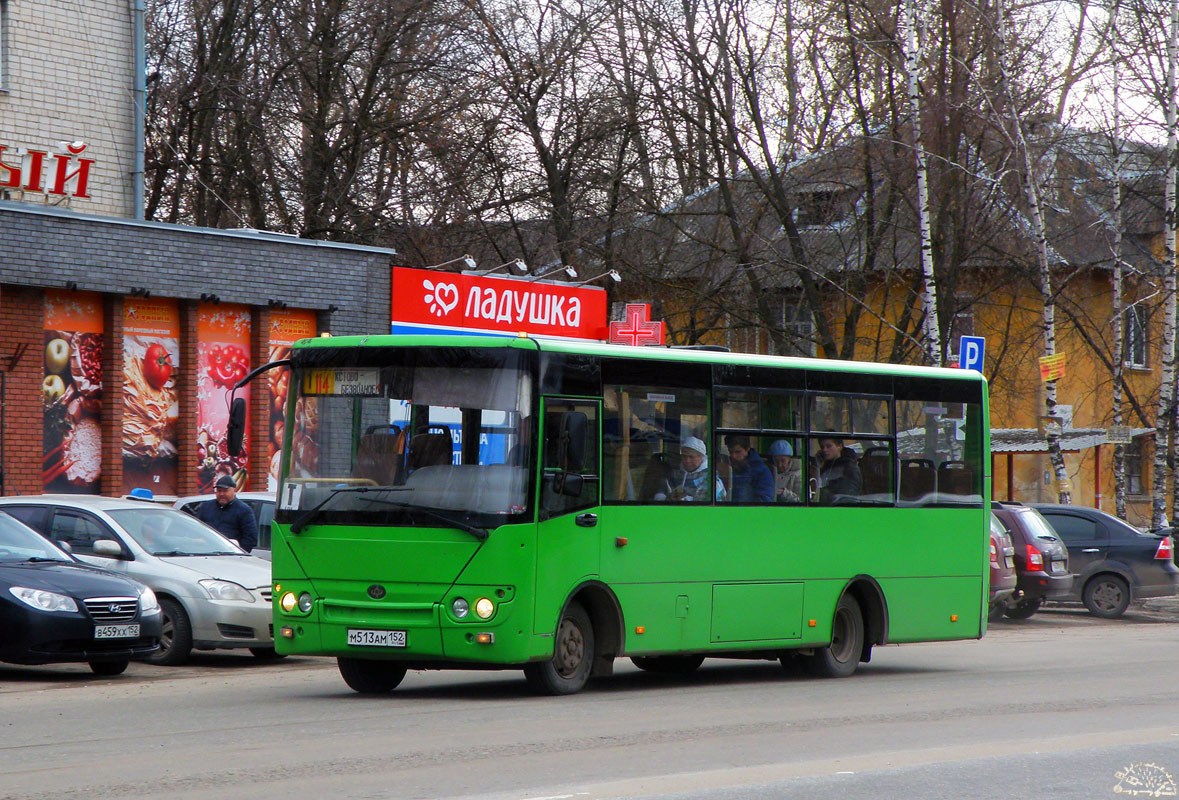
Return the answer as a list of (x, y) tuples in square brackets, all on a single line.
[(568, 533)]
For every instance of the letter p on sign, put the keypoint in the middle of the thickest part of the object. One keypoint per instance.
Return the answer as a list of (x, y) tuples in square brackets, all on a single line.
[(970, 352)]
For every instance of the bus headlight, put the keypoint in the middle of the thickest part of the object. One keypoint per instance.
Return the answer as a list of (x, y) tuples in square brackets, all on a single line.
[(460, 608), (287, 602), (305, 602), (484, 608)]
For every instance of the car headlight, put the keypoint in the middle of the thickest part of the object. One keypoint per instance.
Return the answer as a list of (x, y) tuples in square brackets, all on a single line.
[(43, 600), (227, 590), (148, 604)]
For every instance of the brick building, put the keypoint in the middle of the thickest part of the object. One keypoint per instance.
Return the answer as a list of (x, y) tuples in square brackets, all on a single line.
[(120, 338)]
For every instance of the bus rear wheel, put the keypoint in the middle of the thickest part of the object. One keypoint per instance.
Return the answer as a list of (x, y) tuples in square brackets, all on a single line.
[(573, 656), (370, 677), (668, 665), (842, 656)]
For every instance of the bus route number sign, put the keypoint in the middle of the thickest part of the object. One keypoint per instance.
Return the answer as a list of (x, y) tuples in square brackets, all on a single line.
[(355, 382)]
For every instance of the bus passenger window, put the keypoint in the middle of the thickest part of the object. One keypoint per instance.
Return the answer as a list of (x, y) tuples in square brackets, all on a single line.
[(750, 476), (838, 472), (645, 432)]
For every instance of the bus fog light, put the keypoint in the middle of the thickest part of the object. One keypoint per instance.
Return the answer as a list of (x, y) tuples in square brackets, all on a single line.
[(305, 602), (484, 608), (460, 607), (287, 632), (287, 603), (484, 638)]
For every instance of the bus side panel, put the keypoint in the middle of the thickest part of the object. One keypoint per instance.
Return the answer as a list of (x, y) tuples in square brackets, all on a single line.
[(933, 609), (656, 556)]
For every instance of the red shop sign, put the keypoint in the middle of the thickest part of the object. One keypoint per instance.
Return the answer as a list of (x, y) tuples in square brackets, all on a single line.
[(426, 301)]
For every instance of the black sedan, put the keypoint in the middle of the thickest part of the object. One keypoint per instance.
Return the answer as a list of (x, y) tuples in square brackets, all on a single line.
[(55, 609), (1113, 561)]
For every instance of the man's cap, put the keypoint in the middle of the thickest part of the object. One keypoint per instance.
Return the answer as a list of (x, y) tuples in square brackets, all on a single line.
[(781, 448), (225, 482), (692, 443)]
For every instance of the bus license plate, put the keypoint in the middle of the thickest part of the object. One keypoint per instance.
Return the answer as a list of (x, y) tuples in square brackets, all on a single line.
[(376, 638), (116, 631)]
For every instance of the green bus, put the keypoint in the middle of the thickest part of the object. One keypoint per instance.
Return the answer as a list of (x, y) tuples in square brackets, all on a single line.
[(475, 502)]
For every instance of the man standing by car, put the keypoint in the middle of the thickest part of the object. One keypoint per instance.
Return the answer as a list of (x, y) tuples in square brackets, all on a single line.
[(230, 516)]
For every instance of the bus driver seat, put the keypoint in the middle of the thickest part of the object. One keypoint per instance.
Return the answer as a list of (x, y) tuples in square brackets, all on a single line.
[(429, 450), (378, 457)]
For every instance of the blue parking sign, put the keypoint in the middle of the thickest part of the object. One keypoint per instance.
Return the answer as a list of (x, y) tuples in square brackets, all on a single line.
[(971, 350)]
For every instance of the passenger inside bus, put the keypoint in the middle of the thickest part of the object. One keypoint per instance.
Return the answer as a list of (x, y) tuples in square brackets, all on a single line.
[(839, 474), (787, 472), (689, 481), (752, 480)]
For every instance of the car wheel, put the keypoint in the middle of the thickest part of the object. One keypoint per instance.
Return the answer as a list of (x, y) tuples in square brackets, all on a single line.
[(108, 667), (668, 665), (1024, 608), (842, 656), (573, 656), (266, 653), (1106, 596), (175, 636), (370, 677)]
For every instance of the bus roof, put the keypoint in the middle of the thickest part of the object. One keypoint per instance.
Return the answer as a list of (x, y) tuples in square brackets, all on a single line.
[(708, 356)]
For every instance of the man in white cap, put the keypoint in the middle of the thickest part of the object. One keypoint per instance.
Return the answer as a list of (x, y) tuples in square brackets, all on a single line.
[(689, 482), (787, 473)]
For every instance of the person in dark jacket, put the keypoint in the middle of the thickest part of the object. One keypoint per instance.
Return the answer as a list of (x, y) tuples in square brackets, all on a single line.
[(839, 474), (230, 516), (752, 480)]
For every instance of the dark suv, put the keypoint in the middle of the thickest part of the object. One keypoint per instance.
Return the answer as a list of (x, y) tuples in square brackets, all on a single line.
[(1041, 560), (1113, 562)]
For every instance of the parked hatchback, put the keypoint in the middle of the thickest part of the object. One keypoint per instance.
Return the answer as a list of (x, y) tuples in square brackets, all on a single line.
[(261, 503), (1041, 560), (213, 595), (55, 609), (1113, 561), (1003, 577)]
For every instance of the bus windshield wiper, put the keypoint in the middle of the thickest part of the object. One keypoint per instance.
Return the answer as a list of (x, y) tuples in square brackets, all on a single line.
[(305, 518), (479, 533)]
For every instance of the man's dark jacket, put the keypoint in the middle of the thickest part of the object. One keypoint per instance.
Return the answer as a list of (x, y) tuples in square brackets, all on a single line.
[(235, 521)]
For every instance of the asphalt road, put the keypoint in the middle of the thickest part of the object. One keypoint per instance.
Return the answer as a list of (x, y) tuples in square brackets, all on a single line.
[(1059, 706)]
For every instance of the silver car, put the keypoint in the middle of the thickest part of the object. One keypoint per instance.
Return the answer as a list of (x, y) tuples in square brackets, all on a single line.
[(213, 594)]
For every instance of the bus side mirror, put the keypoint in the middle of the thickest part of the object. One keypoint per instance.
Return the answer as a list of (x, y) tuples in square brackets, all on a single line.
[(236, 429), (574, 430)]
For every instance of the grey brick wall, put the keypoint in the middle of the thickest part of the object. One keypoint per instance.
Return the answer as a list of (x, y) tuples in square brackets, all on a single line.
[(49, 247)]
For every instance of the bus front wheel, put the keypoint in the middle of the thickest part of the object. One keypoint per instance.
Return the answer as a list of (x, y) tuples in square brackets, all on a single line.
[(370, 677), (573, 656), (842, 656)]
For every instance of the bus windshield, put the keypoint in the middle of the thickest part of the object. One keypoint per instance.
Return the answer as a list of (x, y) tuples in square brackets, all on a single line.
[(390, 436)]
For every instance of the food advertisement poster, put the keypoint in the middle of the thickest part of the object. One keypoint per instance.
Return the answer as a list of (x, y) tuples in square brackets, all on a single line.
[(70, 391), (286, 328), (151, 359), (223, 358)]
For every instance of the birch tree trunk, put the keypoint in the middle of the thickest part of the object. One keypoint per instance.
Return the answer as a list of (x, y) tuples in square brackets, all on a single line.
[(1119, 308), (933, 344), (1040, 241), (1167, 380)]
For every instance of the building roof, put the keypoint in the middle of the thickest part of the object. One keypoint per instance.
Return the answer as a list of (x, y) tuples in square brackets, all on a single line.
[(1032, 440)]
